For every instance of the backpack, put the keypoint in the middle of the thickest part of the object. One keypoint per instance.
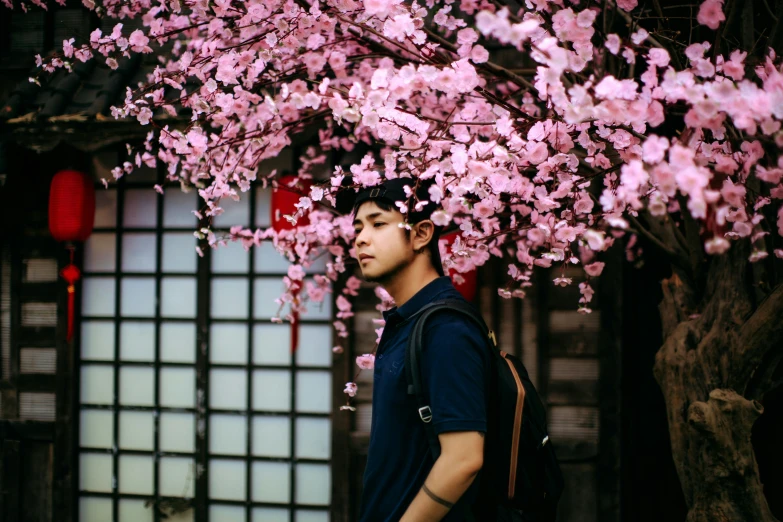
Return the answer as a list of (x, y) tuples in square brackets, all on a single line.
[(520, 472)]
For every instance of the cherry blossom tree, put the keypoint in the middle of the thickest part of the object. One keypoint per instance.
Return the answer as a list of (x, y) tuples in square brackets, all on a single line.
[(552, 129)]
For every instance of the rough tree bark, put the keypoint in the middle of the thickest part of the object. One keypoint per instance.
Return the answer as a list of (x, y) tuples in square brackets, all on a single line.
[(717, 333)]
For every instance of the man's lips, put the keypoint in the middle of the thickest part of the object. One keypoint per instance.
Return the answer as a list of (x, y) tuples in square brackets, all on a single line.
[(362, 257)]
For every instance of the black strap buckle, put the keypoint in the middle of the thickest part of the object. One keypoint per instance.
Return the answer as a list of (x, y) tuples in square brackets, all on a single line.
[(426, 414)]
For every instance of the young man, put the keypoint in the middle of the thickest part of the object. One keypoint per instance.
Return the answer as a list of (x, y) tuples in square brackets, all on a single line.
[(401, 481)]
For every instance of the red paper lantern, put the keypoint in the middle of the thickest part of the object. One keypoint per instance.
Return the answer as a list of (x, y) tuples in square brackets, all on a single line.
[(468, 287), (71, 206), (285, 197), (71, 219), (284, 200)]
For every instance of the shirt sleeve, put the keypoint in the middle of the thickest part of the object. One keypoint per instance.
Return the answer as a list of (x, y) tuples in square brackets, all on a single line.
[(455, 370)]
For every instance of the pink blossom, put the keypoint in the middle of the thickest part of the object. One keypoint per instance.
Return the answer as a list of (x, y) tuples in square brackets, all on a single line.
[(296, 272), (613, 43), (139, 41), (658, 57), (479, 54), (627, 5), (594, 269), (711, 13), (350, 389), (716, 246), (366, 361), (654, 149), (67, 50)]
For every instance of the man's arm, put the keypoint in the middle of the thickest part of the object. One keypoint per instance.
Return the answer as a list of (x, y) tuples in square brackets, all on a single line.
[(461, 458)]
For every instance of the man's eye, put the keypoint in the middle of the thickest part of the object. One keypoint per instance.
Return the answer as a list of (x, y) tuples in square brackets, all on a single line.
[(356, 232), (376, 225)]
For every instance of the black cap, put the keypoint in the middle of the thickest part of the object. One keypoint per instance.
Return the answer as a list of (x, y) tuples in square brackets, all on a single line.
[(392, 191)]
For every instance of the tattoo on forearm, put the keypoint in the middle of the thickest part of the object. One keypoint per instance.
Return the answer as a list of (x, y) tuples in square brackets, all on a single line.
[(436, 498)]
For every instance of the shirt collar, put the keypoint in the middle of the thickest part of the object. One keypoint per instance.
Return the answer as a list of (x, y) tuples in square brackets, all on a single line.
[(424, 296)]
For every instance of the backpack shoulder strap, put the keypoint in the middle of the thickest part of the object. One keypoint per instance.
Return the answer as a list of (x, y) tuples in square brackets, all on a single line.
[(413, 357)]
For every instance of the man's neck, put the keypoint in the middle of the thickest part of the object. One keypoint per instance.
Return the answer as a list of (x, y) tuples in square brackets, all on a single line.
[(408, 282)]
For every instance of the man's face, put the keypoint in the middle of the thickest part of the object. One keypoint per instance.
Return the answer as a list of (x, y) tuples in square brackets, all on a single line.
[(381, 245)]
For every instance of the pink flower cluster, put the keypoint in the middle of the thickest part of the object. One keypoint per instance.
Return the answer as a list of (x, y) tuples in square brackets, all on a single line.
[(549, 168)]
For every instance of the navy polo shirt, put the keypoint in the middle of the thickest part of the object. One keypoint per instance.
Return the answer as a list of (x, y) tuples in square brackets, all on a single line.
[(454, 369)]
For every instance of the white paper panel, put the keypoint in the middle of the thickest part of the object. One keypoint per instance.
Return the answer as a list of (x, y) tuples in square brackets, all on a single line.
[(227, 479), (137, 341), (271, 482), (135, 474), (319, 261), (313, 438), (263, 207), (37, 406), (315, 345), (228, 343), (271, 436), (266, 290), (97, 384), (177, 477), (105, 208), (178, 342), (227, 434), (97, 342), (179, 253), (96, 429), (140, 208), (177, 387), (98, 296), (227, 513), (178, 208), (100, 253), (229, 297), (230, 258), (313, 392), (228, 389), (302, 515), (269, 261), (139, 252), (177, 432), (313, 484), (93, 508), (95, 472), (270, 515), (272, 390), (132, 510), (39, 270), (137, 430), (234, 212), (272, 344), (178, 297), (137, 386), (137, 297)]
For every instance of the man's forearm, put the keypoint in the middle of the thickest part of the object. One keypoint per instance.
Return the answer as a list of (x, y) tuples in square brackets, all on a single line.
[(446, 483)]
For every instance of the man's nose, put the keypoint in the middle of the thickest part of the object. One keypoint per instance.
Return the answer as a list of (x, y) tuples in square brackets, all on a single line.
[(361, 238)]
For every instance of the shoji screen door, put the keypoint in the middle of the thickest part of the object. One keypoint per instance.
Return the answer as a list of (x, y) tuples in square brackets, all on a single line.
[(249, 441)]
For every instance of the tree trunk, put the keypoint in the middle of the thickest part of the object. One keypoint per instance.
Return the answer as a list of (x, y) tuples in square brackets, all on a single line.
[(713, 346)]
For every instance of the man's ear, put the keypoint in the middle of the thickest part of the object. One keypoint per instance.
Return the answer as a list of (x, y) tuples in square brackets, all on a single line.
[(421, 234)]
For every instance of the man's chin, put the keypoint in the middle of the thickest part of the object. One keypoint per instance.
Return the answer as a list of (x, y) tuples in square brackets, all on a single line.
[(373, 276)]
